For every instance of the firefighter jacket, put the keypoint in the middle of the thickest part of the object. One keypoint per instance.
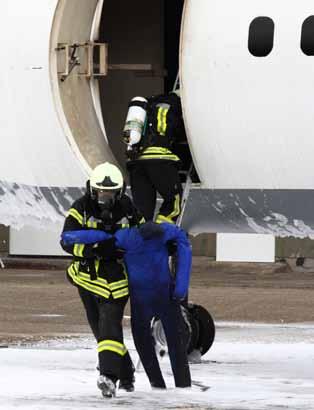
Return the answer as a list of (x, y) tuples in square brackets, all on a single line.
[(101, 273), (164, 126)]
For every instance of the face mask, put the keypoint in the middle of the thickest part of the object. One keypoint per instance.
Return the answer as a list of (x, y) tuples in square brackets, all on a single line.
[(106, 201), (106, 198)]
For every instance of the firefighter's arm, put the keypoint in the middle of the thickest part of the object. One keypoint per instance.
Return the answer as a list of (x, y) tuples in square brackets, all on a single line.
[(93, 242), (74, 222)]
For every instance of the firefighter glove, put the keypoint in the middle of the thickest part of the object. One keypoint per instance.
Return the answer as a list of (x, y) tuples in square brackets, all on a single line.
[(105, 249)]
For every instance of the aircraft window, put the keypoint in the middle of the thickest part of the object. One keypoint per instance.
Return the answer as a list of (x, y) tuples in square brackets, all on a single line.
[(307, 36), (261, 36)]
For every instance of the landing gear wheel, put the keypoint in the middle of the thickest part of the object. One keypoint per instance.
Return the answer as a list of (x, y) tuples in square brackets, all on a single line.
[(199, 326), (202, 323)]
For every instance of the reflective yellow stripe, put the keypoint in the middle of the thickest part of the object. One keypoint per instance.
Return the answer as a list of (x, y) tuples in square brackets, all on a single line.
[(78, 250), (161, 218), (71, 270), (159, 120), (125, 225), (159, 153), (177, 209), (99, 286), (87, 285), (162, 120), (76, 215), (142, 221), (157, 150), (102, 282), (113, 346), (84, 279), (92, 224), (170, 157), (117, 285), (120, 293)]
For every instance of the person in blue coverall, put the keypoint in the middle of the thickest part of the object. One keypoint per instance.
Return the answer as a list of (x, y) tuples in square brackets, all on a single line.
[(154, 291)]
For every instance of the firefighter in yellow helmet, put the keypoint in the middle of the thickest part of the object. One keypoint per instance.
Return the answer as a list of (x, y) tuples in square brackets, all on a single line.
[(99, 274), (152, 126)]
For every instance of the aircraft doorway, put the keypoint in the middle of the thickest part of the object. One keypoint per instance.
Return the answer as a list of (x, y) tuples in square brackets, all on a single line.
[(138, 35)]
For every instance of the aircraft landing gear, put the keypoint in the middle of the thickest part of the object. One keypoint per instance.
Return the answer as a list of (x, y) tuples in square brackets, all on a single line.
[(200, 329)]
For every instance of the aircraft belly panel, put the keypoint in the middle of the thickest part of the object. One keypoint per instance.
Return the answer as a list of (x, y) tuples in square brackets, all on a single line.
[(275, 212), (39, 207)]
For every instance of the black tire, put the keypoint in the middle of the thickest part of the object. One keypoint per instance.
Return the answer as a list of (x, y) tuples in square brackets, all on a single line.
[(204, 327)]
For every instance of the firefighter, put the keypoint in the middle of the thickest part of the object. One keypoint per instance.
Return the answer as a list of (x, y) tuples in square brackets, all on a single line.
[(154, 291), (152, 126), (98, 272)]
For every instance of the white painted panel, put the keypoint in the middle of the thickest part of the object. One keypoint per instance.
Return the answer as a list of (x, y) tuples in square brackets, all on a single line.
[(33, 241), (245, 248), (249, 120), (34, 149)]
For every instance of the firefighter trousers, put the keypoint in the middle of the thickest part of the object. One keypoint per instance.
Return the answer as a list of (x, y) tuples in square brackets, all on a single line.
[(105, 319), (169, 312), (149, 177)]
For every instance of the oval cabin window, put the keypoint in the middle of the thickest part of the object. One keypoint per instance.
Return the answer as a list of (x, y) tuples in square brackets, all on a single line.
[(261, 36), (307, 36)]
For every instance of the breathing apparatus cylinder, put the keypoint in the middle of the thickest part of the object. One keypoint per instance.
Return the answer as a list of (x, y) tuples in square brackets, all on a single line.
[(135, 121)]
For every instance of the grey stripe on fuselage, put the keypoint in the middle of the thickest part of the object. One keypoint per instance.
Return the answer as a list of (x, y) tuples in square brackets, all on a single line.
[(277, 212)]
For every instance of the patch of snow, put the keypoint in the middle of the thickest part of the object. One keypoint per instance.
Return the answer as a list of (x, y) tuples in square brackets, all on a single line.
[(273, 370)]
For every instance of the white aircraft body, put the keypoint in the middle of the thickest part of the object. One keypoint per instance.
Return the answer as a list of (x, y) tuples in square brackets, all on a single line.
[(246, 77)]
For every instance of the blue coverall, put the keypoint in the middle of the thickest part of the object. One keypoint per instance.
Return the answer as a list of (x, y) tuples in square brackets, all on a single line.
[(154, 292)]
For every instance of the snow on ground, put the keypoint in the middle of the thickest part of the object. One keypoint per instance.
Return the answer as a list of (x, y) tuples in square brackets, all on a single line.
[(249, 367)]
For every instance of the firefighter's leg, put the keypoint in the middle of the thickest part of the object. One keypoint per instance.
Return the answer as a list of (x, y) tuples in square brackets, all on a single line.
[(127, 371), (166, 179), (144, 343), (143, 192), (174, 329), (90, 303), (112, 352)]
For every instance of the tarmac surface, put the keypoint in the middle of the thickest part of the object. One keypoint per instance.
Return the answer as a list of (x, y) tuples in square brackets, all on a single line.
[(37, 302)]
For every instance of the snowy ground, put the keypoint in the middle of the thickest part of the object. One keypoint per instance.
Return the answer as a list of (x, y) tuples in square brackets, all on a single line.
[(253, 367)]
